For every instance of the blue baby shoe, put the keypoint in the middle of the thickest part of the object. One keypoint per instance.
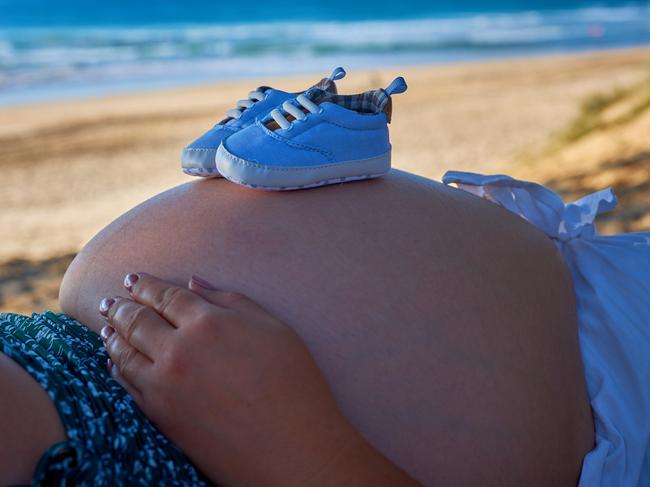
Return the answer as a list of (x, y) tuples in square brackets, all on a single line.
[(314, 139), (198, 158)]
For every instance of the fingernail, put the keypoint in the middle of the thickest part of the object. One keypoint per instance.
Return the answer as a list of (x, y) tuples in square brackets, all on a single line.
[(203, 283), (107, 332), (109, 365), (130, 280), (104, 305)]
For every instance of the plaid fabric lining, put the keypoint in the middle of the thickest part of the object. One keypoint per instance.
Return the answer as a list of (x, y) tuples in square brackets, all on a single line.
[(374, 101)]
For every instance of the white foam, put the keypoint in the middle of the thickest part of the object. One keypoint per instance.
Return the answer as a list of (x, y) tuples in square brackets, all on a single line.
[(29, 57)]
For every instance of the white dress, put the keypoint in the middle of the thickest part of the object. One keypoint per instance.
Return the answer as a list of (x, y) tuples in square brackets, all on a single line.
[(611, 277)]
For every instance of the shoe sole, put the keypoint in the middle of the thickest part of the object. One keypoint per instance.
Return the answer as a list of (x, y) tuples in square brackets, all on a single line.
[(202, 172), (200, 163), (258, 176)]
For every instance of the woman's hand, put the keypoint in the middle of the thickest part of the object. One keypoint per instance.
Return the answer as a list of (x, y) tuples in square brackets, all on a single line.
[(235, 388)]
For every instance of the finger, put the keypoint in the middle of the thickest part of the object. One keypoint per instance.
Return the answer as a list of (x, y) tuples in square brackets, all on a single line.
[(138, 324), (225, 299), (121, 380), (135, 367), (173, 303)]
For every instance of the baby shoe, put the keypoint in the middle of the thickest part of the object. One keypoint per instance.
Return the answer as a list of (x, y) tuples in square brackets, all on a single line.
[(316, 138), (198, 158)]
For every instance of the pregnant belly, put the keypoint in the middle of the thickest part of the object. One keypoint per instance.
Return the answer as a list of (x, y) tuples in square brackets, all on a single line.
[(444, 325)]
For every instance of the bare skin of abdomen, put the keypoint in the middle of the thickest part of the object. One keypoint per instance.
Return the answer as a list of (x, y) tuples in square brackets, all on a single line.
[(444, 325)]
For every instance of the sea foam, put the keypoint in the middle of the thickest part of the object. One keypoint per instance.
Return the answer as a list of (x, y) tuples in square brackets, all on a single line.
[(52, 58)]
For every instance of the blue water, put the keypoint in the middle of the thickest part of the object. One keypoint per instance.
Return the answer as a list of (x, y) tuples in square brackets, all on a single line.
[(52, 49)]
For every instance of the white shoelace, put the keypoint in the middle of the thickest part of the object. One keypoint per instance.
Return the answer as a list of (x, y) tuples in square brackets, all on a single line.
[(293, 110), (253, 97)]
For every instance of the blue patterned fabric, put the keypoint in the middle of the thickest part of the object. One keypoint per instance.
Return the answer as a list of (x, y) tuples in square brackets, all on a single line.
[(110, 441)]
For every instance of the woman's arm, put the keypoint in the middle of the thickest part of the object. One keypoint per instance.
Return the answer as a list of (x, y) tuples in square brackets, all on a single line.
[(235, 388)]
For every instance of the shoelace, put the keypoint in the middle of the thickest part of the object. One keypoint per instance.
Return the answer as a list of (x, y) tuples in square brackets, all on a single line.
[(253, 97), (257, 95), (293, 110)]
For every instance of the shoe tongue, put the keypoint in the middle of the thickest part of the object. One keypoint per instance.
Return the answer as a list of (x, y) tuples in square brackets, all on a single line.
[(317, 95), (326, 84), (329, 83)]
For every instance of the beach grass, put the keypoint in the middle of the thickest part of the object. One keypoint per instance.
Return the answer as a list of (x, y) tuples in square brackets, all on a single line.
[(602, 110)]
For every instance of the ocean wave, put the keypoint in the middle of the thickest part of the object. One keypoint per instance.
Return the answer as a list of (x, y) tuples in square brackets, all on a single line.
[(30, 56)]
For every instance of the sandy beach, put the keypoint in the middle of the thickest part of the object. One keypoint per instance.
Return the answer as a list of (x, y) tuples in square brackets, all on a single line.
[(576, 122)]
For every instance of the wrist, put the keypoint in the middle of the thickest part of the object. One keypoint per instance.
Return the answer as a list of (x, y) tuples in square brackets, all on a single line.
[(356, 463)]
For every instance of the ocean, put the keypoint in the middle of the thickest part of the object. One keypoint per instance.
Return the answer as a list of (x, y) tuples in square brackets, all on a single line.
[(53, 49)]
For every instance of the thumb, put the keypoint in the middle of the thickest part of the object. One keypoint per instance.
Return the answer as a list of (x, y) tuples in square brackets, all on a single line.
[(225, 299)]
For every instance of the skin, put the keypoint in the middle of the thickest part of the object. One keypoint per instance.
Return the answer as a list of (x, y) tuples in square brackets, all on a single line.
[(443, 325), (29, 423), (272, 420)]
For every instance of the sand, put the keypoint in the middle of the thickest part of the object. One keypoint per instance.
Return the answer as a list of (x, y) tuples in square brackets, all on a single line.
[(69, 168)]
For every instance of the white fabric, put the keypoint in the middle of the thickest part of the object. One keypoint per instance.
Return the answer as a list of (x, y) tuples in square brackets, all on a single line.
[(611, 276)]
